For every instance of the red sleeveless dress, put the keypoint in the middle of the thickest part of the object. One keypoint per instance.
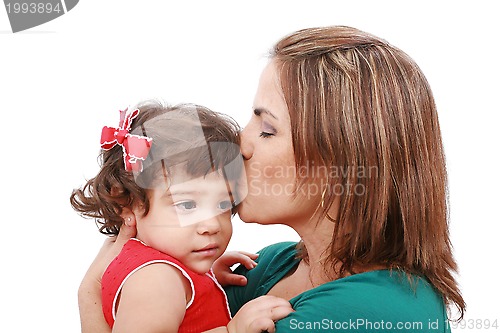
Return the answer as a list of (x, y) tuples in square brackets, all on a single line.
[(207, 309)]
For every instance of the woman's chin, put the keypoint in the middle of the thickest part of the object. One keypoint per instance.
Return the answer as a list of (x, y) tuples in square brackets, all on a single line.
[(246, 213), (242, 212)]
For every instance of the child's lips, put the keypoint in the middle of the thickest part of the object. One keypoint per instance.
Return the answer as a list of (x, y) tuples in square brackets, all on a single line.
[(209, 250)]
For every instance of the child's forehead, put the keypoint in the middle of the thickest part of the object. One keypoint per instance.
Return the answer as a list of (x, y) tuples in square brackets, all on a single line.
[(179, 175), (213, 184)]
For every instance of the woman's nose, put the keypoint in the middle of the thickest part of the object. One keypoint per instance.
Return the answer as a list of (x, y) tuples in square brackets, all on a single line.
[(246, 144)]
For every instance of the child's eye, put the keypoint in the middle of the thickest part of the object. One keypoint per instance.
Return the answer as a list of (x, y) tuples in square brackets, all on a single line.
[(185, 205), (225, 205)]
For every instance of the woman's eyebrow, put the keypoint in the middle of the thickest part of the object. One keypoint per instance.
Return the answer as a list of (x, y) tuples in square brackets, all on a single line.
[(259, 111)]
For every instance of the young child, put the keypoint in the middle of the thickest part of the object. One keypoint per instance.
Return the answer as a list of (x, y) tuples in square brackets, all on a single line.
[(171, 173)]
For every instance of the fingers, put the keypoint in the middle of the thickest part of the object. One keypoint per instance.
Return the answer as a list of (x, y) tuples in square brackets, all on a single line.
[(269, 306), (222, 267), (281, 312), (262, 324), (269, 301), (250, 255), (226, 277), (248, 263), (126, 232), (236, 280), (272, 307), (268, 323), (247, 259), (109, 250), (233, 257), (260, 314)]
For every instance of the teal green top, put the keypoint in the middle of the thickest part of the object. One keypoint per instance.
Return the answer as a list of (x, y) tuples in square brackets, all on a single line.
[(375, 301)]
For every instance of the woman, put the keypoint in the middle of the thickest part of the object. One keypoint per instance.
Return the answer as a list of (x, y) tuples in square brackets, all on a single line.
[(344, 147)]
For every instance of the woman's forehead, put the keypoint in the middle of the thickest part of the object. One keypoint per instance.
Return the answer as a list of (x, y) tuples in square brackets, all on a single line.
[(269, 94)]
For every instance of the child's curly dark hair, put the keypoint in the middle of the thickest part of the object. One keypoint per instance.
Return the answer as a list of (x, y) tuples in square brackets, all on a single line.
[(103, 197)]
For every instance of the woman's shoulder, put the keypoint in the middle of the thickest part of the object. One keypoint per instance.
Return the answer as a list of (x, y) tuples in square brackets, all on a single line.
[(381, 288), (278, 251), (366, 300), (273, 262), (377, 283)]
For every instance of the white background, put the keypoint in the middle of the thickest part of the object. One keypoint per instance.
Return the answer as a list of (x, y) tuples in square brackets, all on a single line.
[(62, 81)]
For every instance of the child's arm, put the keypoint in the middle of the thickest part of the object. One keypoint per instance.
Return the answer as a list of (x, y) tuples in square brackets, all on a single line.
[(153, 299)]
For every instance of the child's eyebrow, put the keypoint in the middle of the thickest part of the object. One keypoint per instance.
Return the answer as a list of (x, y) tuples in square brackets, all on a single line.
[(168, 193), (184, 192)]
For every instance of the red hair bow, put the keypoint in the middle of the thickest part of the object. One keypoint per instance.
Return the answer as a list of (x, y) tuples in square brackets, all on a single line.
[(135, 147)]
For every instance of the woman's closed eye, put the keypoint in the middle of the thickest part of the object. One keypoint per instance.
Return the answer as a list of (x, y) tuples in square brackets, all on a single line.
[(265, 134), (267, 130)]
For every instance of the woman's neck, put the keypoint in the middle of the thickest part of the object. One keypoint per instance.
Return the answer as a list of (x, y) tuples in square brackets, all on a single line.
[(317, 238)]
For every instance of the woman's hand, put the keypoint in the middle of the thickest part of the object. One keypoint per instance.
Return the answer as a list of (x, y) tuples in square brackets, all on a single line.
[(259, 315), (222, 267), (89, 293)]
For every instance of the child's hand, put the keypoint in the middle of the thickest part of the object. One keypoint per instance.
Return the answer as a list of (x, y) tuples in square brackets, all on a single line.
[(259, 315), (222, 267)]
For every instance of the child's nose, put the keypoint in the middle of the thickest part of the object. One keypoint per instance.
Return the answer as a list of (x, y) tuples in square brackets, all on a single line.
[(209, 226)]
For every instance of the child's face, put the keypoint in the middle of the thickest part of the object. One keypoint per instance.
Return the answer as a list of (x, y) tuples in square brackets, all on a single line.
[(190, 221)]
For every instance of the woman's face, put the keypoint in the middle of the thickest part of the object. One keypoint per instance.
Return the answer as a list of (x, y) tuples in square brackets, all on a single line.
[(266, 145)]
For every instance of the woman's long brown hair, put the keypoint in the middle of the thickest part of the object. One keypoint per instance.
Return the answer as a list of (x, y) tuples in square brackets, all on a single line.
[(364, 108)]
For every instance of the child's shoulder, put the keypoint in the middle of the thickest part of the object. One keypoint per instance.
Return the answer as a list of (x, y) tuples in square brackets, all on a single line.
[(135, 248), (136, 254)]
